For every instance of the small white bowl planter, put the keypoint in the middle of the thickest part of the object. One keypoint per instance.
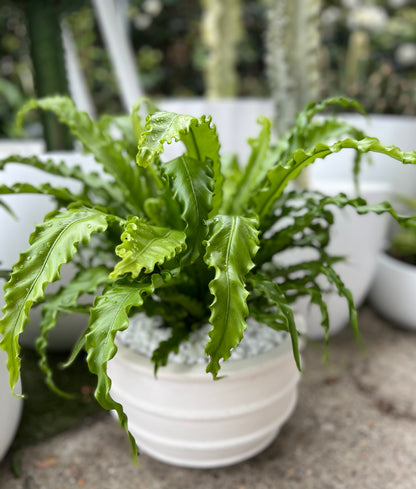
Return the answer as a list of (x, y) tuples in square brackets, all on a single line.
[(11, 408), (185, 418), (393, 291)]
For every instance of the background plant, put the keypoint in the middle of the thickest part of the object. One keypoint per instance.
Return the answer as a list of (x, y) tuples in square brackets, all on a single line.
[(171, 57), (370, 52)]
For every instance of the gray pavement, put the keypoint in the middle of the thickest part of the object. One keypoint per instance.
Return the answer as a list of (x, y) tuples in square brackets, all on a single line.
[(354, 428)]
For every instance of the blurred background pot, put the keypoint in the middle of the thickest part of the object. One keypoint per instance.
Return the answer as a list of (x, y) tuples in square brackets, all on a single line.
[(393, 291)]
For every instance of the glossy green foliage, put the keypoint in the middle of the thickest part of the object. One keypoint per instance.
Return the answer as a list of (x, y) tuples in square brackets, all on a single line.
[(95, 188), (281, 174), (51, 245), (231, 247), (109, 315), (108, 151), (61, 194), (197, 134), (197, 239), (192, 184), (87, 281), (144, 246)]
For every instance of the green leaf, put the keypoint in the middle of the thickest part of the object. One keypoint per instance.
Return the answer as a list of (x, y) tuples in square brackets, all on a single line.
[(192, 306), (232, 244), (191, 182), (284, 311), (232, 176), (107, 151), (256, 169), (144, 246), (85, 282), (278, 177), (199, 137), (53, 243), (108, 316), (61, 194), (8, 209), (93, 183), (316, 107)]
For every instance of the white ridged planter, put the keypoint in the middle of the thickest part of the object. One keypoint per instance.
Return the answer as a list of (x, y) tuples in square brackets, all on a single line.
[(11, 408), (185, 418), (393, 291)]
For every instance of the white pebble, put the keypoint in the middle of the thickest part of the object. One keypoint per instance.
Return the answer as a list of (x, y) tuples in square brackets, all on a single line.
[(144, 335)]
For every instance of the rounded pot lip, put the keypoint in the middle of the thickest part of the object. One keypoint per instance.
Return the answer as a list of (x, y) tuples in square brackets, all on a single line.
[(173, 371), (396, 265)]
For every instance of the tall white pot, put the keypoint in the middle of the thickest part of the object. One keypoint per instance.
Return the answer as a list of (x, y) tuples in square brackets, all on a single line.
[(184, 418)]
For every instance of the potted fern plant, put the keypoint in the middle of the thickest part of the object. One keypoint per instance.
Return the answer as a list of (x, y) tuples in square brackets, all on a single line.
[(193, 240)]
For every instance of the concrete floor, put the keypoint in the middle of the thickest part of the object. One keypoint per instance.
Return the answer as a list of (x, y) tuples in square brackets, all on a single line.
[(354, 428)]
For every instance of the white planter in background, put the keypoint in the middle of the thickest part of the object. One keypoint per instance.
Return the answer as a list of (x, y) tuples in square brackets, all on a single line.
[(393, 291), (11, 408), (22, 147), (185, 418)]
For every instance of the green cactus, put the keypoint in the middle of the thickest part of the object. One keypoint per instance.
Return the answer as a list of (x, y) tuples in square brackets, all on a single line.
[(221, 32), (357, 59), (292, 56), (43, 22)]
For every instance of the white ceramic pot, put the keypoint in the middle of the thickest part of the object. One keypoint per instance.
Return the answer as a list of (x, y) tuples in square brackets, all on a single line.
[(393, 291), (185, 418), (359, 239), (11, 408)]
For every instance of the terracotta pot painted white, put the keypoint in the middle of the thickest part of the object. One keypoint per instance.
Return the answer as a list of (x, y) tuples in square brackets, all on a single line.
[(14, 238), (393, 291), (185, 418), (11, 408), (359, 239)]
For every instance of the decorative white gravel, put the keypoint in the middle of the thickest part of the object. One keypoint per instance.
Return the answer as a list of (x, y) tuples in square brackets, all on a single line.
[(144, 335)]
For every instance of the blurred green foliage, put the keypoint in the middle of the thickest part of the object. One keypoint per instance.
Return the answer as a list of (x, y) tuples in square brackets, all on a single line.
[(369, 52)]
